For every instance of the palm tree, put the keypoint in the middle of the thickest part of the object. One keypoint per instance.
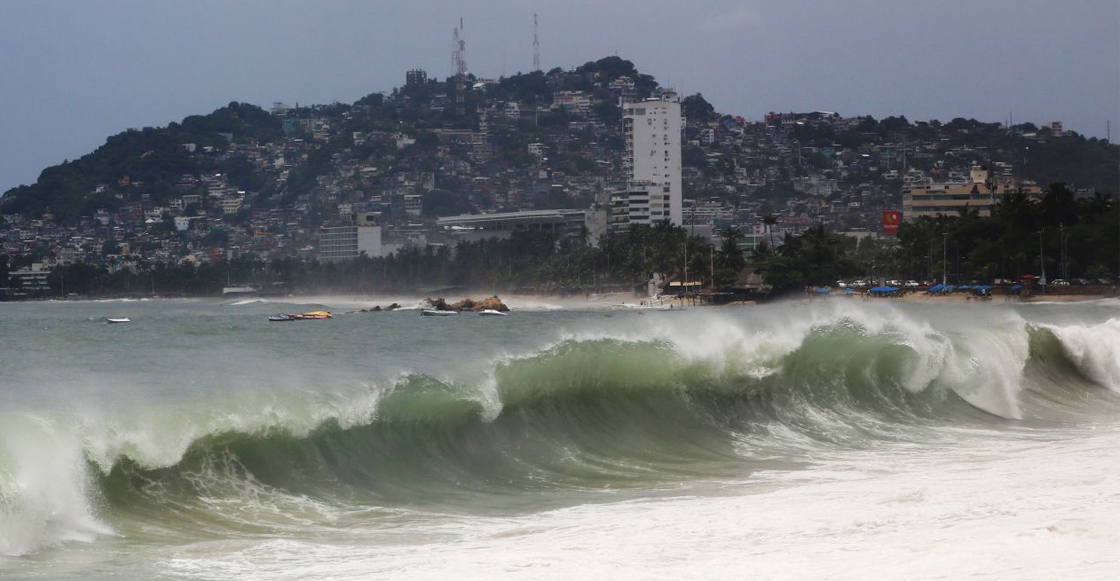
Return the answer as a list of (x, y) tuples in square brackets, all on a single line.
[(770, 220), (730, 255)]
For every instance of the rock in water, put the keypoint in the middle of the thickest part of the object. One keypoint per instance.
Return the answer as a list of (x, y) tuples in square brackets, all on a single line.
[(466, 305)]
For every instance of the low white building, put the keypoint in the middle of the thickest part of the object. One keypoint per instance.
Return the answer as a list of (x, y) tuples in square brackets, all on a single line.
[(566, 224)]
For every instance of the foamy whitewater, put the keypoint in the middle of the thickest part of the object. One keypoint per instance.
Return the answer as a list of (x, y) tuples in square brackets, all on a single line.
[(836, 440)]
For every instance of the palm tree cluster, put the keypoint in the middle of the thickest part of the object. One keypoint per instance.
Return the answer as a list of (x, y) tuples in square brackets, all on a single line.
[(816, 257), (1061, 234)]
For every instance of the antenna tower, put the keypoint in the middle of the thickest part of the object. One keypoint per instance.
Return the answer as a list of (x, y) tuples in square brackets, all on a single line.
[(454, 50), (459, 50), (536, 46)]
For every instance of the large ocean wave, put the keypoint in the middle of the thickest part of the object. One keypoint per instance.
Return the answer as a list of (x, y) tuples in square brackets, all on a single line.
[(593, 411)]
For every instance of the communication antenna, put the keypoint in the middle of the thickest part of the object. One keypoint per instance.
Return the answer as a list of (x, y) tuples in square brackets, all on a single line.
[(455, 50), (536, 46), (459, 50)]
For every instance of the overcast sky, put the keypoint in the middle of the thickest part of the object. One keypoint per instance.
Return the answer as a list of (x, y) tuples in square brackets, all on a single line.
[(74, 72)]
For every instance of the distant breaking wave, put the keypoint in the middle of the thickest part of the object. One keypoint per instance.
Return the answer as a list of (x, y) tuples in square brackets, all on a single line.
[(595, 411)]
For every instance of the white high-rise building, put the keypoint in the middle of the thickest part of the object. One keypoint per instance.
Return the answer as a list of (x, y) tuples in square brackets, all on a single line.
[(653, 153)]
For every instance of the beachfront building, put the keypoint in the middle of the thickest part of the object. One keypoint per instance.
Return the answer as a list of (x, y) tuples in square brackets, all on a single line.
[(980, 193), (29, 282), (653, 158), (347, 242), (632, 205)]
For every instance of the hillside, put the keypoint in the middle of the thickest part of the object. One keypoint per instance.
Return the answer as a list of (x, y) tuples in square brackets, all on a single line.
[(246, 181)]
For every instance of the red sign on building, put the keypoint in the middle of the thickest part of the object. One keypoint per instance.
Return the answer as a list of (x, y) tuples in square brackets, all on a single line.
[(891, 221)]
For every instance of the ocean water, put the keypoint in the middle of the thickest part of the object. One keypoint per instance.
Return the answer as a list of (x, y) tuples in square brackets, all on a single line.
[(837, 440)]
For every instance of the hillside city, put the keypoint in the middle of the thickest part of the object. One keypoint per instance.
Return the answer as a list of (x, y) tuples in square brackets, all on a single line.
[(437, 162)]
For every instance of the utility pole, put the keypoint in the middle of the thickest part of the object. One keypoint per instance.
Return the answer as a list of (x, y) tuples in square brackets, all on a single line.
[(1062, 248), (929, 262), (944, 258), (684, 283), (1041, 261), (712, 260)]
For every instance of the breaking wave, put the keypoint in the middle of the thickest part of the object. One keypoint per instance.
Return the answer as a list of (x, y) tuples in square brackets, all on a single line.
[(599, 411)]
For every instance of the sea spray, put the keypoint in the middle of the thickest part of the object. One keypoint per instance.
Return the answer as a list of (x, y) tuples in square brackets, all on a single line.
[(1095, 349), (46, 494)]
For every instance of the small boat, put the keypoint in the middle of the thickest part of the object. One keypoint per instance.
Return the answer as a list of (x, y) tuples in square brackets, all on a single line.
[(281, 318), (492, 313), (313, 315), (113, 321), (437, 313)]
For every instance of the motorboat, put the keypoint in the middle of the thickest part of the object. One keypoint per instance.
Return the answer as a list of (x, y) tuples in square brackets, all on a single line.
[(492, 313), (313, 315), (113, 321), (437, 313)]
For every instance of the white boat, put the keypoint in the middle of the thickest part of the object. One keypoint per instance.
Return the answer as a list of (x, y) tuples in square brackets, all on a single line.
[(437, 313), (111, 320), (492, 313), (238, 290)]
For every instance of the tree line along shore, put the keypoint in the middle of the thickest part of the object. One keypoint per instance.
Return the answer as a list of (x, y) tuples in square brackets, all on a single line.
[(1061, 237)]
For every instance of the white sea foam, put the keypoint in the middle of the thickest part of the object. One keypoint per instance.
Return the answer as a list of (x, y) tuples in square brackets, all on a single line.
[(243, 302), (990, 511), (1094, 348)]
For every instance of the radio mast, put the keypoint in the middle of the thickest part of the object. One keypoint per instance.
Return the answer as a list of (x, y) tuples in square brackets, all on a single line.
[(459, 50), (536, 46)]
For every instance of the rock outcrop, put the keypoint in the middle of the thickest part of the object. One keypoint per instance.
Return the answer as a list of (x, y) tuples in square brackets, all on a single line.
[(471, 305)]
